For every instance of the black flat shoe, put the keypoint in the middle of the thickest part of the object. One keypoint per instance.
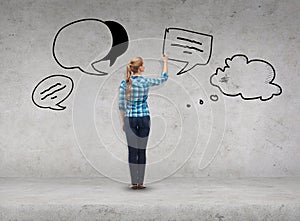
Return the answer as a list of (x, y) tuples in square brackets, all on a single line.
[(141, 186), (134, 186)]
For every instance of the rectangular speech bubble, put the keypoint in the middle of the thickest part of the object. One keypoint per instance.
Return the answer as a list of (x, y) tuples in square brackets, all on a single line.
[(190, 47)]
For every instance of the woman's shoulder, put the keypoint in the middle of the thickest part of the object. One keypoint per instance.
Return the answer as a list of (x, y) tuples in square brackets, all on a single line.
[(123, 83)]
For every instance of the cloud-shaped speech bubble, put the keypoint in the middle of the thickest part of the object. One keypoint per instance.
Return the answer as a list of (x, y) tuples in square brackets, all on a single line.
[(190, 47), (251, 79), (79, 43), (52, 91)]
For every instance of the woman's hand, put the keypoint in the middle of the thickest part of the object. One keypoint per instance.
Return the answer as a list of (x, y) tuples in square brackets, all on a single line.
[(165, 58)]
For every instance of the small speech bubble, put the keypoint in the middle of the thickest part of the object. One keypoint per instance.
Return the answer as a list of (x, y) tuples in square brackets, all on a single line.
[(190, 47), (80, 43), (52, 91), (214, 97)]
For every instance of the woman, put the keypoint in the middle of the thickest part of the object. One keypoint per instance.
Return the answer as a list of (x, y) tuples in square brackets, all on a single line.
[(136, 116)]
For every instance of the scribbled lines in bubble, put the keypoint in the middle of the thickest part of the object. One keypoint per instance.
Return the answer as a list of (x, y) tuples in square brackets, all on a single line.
[(53, 92)]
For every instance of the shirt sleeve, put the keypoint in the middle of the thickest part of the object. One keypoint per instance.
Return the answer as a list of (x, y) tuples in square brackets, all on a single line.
[(158, 81), (122, 95)]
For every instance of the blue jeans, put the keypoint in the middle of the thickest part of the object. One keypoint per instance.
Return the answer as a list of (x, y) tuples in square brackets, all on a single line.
[(137, 131)]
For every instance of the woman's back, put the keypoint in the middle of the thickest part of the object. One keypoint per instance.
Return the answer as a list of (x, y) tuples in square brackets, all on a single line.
[(136, 105)]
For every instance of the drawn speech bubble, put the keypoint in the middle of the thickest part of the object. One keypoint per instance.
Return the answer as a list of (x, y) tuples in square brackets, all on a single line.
[(190, 47), (79, 44), (249, 79), (52, 91)]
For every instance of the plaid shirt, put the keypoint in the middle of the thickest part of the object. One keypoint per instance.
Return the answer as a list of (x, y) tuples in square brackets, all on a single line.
[(137, 105)]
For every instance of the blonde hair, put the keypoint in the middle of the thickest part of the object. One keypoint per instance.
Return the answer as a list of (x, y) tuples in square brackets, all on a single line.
[(132, 67)]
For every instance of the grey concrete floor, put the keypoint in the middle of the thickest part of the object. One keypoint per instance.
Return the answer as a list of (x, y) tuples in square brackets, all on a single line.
[(170, 199)]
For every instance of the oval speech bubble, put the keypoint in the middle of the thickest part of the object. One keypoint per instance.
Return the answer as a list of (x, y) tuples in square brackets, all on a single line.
[(52, 91), (76, 44)]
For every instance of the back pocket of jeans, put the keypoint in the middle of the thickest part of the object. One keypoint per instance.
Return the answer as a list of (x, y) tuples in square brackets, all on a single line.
[(147, 121)]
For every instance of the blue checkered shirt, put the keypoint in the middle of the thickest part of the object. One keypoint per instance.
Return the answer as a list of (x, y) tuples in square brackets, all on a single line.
[(137, 105)]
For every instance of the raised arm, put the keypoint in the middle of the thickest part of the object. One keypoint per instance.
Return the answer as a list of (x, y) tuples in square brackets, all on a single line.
[(164, 75), (165, 63)]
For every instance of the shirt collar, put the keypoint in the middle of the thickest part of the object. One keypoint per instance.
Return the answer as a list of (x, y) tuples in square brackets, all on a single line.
[(136, 76)]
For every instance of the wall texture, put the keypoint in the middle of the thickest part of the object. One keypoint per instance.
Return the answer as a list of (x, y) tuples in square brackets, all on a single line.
[(197, 128)]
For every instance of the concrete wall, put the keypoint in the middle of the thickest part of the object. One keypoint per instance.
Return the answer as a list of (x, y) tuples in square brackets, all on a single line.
[(230, 136)]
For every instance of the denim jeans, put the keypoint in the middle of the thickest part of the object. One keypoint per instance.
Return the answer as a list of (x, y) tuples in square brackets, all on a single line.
[(137, 131)]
